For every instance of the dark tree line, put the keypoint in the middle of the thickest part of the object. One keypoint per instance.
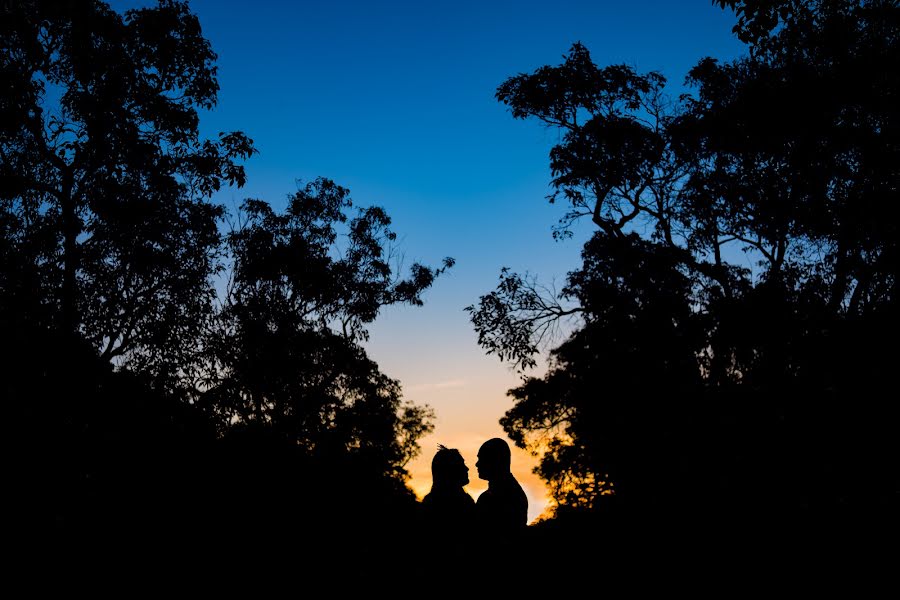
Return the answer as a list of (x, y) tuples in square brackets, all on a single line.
[(734, 320), (139, 402)]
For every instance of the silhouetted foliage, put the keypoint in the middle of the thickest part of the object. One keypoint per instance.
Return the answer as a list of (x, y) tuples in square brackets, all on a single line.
[(284, 352), (143, 408), (737, 303), (106, 181)]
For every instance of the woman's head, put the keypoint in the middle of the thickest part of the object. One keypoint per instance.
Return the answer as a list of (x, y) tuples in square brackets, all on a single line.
[(448, 468)]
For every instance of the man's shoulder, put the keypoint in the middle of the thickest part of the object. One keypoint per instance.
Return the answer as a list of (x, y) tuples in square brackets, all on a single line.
[(511, 483)]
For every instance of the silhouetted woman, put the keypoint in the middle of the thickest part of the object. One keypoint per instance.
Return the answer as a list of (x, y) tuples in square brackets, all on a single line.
[(448, 511)]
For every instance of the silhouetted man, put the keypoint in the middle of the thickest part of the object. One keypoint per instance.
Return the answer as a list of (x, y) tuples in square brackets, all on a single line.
[(502, 510)]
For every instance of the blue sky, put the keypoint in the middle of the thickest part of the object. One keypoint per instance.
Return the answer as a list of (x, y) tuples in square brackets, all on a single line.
[(395, 100)]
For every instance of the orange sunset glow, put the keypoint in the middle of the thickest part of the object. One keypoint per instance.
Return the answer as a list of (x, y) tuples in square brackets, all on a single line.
[(433, 352), (466, 388)]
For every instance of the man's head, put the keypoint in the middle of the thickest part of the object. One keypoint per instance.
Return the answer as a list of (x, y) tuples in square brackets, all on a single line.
[(493, 459), (448, 468)]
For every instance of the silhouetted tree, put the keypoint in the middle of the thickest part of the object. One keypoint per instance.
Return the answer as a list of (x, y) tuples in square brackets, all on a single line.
[(108, 240), (285, 353), (106, 181), (735, 305), (141, 405)]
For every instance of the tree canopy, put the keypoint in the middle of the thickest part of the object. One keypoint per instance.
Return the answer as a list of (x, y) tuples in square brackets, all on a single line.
[(737, 299), (106, 180), (284, 348), (155, 359)]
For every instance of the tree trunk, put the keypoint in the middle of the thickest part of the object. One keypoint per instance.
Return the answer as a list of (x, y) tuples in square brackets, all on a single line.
[(70, 260)]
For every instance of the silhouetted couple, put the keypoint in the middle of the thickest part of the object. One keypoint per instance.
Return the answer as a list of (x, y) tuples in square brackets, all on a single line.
[(453, 518)]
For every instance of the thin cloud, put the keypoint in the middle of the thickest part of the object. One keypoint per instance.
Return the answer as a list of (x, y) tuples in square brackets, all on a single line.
[(441, 385)]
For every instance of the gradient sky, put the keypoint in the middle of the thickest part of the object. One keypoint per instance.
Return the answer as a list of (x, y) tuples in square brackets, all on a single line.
[(395, 100)]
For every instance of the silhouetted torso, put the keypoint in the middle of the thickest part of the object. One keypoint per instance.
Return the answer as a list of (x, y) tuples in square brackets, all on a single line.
[(502, 510), (448, 512)]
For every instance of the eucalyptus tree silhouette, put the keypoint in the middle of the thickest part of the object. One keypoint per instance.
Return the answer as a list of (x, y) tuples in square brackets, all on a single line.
[(106, 179), (108, 239), (284, 352), (143, 407), (733, 313)]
